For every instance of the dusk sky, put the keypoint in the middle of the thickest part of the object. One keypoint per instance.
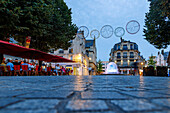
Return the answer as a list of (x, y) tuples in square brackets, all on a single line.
[(94, 14)]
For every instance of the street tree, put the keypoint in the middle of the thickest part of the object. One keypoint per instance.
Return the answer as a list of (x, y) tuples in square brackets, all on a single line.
[(157, 24), (99, 66), (151, 62), (48, 22)]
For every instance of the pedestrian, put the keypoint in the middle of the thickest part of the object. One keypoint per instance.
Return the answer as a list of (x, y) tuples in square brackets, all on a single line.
[(57, 69), (135, 68)]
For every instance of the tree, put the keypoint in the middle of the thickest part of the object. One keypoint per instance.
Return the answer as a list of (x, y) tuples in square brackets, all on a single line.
[(99, 66), (151, 62), (157, 24), (48, 22)]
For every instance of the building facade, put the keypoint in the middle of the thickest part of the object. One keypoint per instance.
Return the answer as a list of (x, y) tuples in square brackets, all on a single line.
[(161, 59), (104, 66), (91, 52), (77, 53), (126, 55)]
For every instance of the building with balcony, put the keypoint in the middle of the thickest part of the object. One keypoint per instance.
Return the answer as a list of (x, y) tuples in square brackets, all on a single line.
[(125, 54), (91, 52)]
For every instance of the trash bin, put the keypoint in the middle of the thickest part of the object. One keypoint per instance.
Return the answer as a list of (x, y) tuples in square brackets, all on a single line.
[(148, 71), (162, 71)]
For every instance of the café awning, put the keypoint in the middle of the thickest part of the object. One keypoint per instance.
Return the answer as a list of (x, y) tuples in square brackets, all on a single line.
[(20, 51)]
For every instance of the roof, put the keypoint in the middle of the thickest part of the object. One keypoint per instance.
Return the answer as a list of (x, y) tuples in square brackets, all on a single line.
[(89, 43), (125, 41)]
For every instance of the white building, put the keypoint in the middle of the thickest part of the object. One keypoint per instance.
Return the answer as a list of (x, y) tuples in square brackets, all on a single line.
[(91, 52), (76, 53), (161, 58)]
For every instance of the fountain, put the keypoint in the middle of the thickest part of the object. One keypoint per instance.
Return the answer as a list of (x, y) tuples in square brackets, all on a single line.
[(111, 68)]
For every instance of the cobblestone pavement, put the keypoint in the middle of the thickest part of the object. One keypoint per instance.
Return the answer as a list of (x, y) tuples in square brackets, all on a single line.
[(84, 94)]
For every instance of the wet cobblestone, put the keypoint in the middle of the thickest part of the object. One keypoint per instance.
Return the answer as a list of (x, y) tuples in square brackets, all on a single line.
[(84, 94)]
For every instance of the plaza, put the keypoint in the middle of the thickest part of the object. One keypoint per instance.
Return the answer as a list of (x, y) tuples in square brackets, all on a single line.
[(84, 94)]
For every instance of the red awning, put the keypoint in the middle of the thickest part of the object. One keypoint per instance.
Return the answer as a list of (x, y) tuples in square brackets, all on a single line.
[(20, 51)]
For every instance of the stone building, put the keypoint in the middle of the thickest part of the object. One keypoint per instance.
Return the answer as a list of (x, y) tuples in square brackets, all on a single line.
[(91, 52), (77, 53), (125, 54)]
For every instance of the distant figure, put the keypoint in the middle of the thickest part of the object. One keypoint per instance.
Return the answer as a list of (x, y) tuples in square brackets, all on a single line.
[(135, 68), (57, 69)]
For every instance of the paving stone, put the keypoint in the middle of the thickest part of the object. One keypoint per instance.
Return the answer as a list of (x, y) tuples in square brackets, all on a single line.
[(162, 102), (131, 89), (103, 89), (102, 112), (7, 101), (145, 94), (48, 94), (161, 111), (165, 91), (86, 105), (72, 89), (28, 111), (134, 105), (12, 93), (74, 86), (102, 95), (41, 94), (35, 104)]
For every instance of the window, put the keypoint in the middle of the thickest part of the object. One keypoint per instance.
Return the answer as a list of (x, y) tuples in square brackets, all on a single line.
[(131, 55), (125, 55), (51, 50), (115, 47), (124, 47), (131, 46), (125, 63), (135, 47), (71, 50), (71, 58), (118, 55), (118, 47), (61, 51)]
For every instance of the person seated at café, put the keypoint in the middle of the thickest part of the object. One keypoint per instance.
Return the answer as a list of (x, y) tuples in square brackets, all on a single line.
[(57, 69), (44, 69), (16, 62), (33, 68), (4, 65), (10, 64), (25, 63)]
